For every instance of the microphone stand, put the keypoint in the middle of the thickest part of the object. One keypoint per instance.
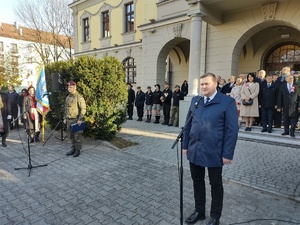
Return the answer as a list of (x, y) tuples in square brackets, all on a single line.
[(30, 166), (180, 137)]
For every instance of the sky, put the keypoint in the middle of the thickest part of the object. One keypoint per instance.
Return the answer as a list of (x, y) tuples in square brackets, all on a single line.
[(7, 11)]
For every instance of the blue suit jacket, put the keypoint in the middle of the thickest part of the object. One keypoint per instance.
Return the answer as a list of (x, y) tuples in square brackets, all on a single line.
[(212, 132)]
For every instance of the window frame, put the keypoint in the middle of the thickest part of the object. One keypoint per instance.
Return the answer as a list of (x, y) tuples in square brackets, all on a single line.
[(14, 48), (86, 29), (105, 18), (129, 16), (129, 69)]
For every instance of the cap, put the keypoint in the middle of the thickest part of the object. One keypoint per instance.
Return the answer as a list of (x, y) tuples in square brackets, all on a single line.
[(177, 86), (71, 83)]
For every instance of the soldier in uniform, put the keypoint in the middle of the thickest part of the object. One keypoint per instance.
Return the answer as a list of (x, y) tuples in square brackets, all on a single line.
[(75, 109)]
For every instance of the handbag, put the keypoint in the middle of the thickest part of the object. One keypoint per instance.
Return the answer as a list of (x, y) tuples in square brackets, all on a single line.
[(250, 101)]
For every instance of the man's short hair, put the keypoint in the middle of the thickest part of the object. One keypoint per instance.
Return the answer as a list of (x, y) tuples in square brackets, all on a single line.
[(213, 76)]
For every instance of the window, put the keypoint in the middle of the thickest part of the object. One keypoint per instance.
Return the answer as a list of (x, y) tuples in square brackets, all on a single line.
[(14, 60), (130, 70), (1, 59), (86, 30), (1, 46), (129, 17), (14, 48), (105, 24)]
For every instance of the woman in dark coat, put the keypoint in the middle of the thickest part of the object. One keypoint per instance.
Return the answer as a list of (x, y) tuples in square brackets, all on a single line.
[(4, 117), (31, 115), (185, 88)]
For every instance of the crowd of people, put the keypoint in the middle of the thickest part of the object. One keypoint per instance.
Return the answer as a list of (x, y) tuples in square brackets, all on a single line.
[(11, 102), (268, 100), (155, 101)]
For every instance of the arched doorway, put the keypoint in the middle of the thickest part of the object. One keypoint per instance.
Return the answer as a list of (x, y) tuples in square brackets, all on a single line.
[(281, 55)]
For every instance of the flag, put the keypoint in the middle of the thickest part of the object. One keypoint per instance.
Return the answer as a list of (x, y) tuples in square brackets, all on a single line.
[(41, 95)]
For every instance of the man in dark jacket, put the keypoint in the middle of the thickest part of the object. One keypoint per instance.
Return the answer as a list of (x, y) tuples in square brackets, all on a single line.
[(13, 98), (177, 96), (166, 102), (288, 102), (209, 141), (227, 87), (267, 101), (4, 117), (130, 102), (149, 103), (139, 103), (157, 102)]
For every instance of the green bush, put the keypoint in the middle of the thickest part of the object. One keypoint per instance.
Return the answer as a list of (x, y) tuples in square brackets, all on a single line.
[(101, 83)]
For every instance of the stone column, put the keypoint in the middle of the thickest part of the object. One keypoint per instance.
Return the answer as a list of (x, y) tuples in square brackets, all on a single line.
[(194, 65), (195, 54)]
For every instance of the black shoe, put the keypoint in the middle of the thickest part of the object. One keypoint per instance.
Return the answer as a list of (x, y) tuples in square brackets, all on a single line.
[(285, 133), (292, 135), (129, 118), (31, 140), (4, 144), (170, 125), (269, 131), (194, 218), (176, 125), (213, 221), (264, 130), (70, 152), (247, 129), (76, 154)]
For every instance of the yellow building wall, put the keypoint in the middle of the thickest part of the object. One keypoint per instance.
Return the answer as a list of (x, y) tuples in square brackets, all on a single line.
[(144, 11)]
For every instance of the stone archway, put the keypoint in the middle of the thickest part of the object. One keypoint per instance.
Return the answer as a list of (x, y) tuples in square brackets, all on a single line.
[(172, 61)]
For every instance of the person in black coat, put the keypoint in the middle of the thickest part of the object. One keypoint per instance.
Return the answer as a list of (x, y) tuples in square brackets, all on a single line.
[(139, 103), (13, 98), (4, 117), (267, 101), (177, 96), (157, 102), (149, 103), (288, 102), (185, 88), (130, 102), (166, 102), (23, 94), (227, 88), (279, 82)]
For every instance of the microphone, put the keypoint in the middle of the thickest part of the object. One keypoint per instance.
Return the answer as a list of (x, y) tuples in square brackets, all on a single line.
[(46, 94), (198, 101)]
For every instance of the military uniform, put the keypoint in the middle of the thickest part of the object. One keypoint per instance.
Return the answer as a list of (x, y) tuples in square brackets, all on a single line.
[(75, 109)]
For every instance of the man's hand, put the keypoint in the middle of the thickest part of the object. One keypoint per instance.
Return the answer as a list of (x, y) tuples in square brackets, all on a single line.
[(79, 122), (278, 110), (226, 161), (65, 121), (9, 117), (184, 151)]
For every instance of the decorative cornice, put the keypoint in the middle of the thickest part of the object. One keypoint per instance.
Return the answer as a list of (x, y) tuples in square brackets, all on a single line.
[(268, 11)]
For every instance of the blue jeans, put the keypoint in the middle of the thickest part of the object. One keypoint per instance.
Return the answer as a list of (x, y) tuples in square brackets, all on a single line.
[(267, 118)]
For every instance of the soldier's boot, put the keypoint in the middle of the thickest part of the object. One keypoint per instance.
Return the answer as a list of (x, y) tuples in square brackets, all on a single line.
[(156, 120), (4, 140), (76, 153), (71, 152), (147, 121), (150, 118), (37, 136)]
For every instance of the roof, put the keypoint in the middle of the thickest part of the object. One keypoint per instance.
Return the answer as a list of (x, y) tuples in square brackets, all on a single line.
[(27, 34)]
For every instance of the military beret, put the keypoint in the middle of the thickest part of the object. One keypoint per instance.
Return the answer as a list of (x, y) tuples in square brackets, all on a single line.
[(71, 83)]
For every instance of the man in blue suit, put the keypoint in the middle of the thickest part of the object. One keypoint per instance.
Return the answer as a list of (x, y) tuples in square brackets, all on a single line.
[(209, 141)]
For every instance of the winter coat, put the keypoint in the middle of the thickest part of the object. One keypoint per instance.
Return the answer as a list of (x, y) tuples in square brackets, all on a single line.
[(288, 102), (5, 111), (139, 99), (250, 110), (212, 132), (267, 95), (149, 98)]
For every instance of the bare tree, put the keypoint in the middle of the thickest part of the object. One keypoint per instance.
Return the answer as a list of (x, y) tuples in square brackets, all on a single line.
[(51, 25)]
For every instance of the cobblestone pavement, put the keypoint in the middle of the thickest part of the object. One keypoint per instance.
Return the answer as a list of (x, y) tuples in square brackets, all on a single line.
[(138, 185)]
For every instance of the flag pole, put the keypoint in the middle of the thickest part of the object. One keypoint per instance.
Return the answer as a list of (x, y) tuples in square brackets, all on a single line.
[(43, 128)]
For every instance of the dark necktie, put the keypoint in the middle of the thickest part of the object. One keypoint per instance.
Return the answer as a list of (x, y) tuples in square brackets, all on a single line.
[(207, 101)]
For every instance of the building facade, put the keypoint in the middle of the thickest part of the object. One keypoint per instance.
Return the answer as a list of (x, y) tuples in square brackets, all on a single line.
[(177, 40), (21, 55)]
